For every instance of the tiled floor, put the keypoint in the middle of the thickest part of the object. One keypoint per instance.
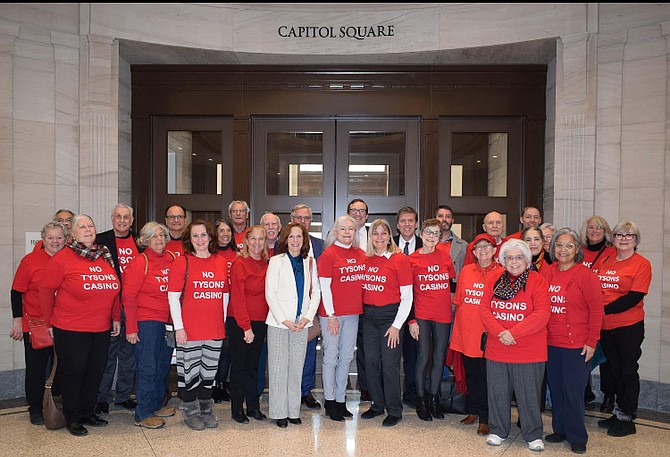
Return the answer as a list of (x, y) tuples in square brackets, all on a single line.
[(318, 435)]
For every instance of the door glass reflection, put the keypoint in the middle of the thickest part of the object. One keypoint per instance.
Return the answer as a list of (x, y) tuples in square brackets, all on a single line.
[(194, 164), (294, 164), (376, 163), (479, 164)]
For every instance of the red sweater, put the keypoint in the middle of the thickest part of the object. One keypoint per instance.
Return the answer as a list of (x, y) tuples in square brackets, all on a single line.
[(384, 277), (247, 297), (27, 280), (468, 328), (617, 278), (202, 304), (525, 316), (432, 285), (576, 307), (346, 269), (230, 257), (145, 294), (87, 293)]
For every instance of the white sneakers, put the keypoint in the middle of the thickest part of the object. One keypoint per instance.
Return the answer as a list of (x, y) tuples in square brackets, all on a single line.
[(536, 445), (494, 440)]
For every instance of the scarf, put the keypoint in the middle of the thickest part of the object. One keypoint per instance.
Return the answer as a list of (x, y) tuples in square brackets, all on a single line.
[(504, 289), (93, 253)]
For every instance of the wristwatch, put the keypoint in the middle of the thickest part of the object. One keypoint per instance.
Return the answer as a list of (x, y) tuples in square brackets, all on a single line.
[(331, 316)]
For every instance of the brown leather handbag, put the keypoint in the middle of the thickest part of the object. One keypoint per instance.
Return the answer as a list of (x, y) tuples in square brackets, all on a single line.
[(52, 408)]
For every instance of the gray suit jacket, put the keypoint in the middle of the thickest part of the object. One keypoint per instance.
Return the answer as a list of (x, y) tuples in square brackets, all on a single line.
[(458, 249)]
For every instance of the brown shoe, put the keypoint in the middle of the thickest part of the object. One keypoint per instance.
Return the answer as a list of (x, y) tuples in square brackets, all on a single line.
[(150, 422), (469, 419), (165, 411), (483, 429)]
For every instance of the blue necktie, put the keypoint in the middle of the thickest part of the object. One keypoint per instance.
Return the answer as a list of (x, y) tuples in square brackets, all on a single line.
[(406, 249)]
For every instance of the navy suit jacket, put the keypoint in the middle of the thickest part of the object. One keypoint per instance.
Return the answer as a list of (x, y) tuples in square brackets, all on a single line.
[(317, 245)]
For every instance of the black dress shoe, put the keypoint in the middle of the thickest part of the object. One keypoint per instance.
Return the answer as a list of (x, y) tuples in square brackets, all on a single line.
[(77, 429), (578, 448), (342, 407), (240, 417), (93, 420), (128, 404), (282, 423), (37, 418), (555, 438), (257, 414), (101, 408), (371, 413), (390, 421), (295, 421), (608, 404), (310, 402)]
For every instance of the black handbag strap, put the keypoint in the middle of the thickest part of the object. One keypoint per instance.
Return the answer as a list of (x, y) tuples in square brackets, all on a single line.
[(50, 381)]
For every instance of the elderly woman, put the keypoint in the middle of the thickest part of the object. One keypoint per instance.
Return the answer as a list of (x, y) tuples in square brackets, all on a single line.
[(25, 297), (387, 301), (466, 336), (145, 302), (515, 311), (572, 333), (246, 323), (341, 272), (80, 301), (292, 310), (596, 237), (229, 250), (198, 295), (548, 231), (534, 239), (624, 277), (433, 271)]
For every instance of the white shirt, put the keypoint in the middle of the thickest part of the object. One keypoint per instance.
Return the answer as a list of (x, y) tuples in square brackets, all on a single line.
[(412, 244)]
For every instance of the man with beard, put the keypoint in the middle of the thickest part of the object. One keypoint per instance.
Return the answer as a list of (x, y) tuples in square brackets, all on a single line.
[(448, 239)]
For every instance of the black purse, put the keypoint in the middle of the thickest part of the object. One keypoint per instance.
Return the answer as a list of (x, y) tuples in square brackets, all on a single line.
[(451, 401)]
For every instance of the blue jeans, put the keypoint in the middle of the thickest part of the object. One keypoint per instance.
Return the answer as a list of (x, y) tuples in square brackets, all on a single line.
[(153, 363)]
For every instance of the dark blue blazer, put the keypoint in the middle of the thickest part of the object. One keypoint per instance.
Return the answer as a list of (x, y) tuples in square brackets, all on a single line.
[(317, 245)]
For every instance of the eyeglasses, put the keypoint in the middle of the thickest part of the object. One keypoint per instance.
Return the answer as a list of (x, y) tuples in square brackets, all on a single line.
[(431, 232), (625, 236), (565, 245), (176, 217), (301, 218), (357, 211), (515, 258), (595, 228), (481, 247)]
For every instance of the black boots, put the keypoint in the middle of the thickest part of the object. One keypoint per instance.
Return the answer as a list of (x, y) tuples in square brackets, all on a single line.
[(422, 408), (333, 411), (434, 406)]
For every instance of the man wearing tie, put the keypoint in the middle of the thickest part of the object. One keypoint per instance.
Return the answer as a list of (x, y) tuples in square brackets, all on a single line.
[(407, 222)]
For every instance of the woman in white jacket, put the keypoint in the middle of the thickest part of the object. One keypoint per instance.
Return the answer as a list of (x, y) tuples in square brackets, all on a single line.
[(293, 295)]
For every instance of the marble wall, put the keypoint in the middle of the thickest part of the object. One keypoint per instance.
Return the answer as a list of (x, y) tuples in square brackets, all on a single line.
[(65, 106)]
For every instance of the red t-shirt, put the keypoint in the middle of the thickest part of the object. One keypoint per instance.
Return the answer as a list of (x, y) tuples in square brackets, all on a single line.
[(176, 246), (525, 316), (87, 293), (617, 278), (230, 257), (576, 307), (590, 256), (247, 297), (27, 280), (346, 269), (432, 285), (384, 277), (202, 303), (239, 237), (127, 250), (467, 330), (145, 294)]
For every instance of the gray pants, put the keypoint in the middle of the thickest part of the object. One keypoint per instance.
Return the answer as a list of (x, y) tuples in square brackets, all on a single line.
[(525, 379), (286, 357)]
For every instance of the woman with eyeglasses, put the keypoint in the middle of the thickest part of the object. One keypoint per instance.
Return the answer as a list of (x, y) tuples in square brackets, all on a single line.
[(624, 277), (572, 333), (515, 310), (596, 237), (433, 272), (547, 234)]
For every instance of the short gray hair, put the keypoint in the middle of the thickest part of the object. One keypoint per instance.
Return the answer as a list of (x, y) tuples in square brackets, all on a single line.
[(149, 230), (514, 244), (575, 237), (122, 206), (53, 225), (238, 202)]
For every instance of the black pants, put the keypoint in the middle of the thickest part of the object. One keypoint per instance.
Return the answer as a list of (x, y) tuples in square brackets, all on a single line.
[(432, 336), (38, 368), (244, 365), (623, 348), (361, 374), (81, 362), (382, 363), (224, 361), (410, 352), (477, 401)]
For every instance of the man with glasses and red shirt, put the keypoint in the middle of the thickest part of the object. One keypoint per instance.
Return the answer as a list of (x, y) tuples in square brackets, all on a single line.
[(175, 220)]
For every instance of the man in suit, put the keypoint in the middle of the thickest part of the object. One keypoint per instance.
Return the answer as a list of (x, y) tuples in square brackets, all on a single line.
[(120, 241), (448, 239), (302, 214), (407, 221)]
